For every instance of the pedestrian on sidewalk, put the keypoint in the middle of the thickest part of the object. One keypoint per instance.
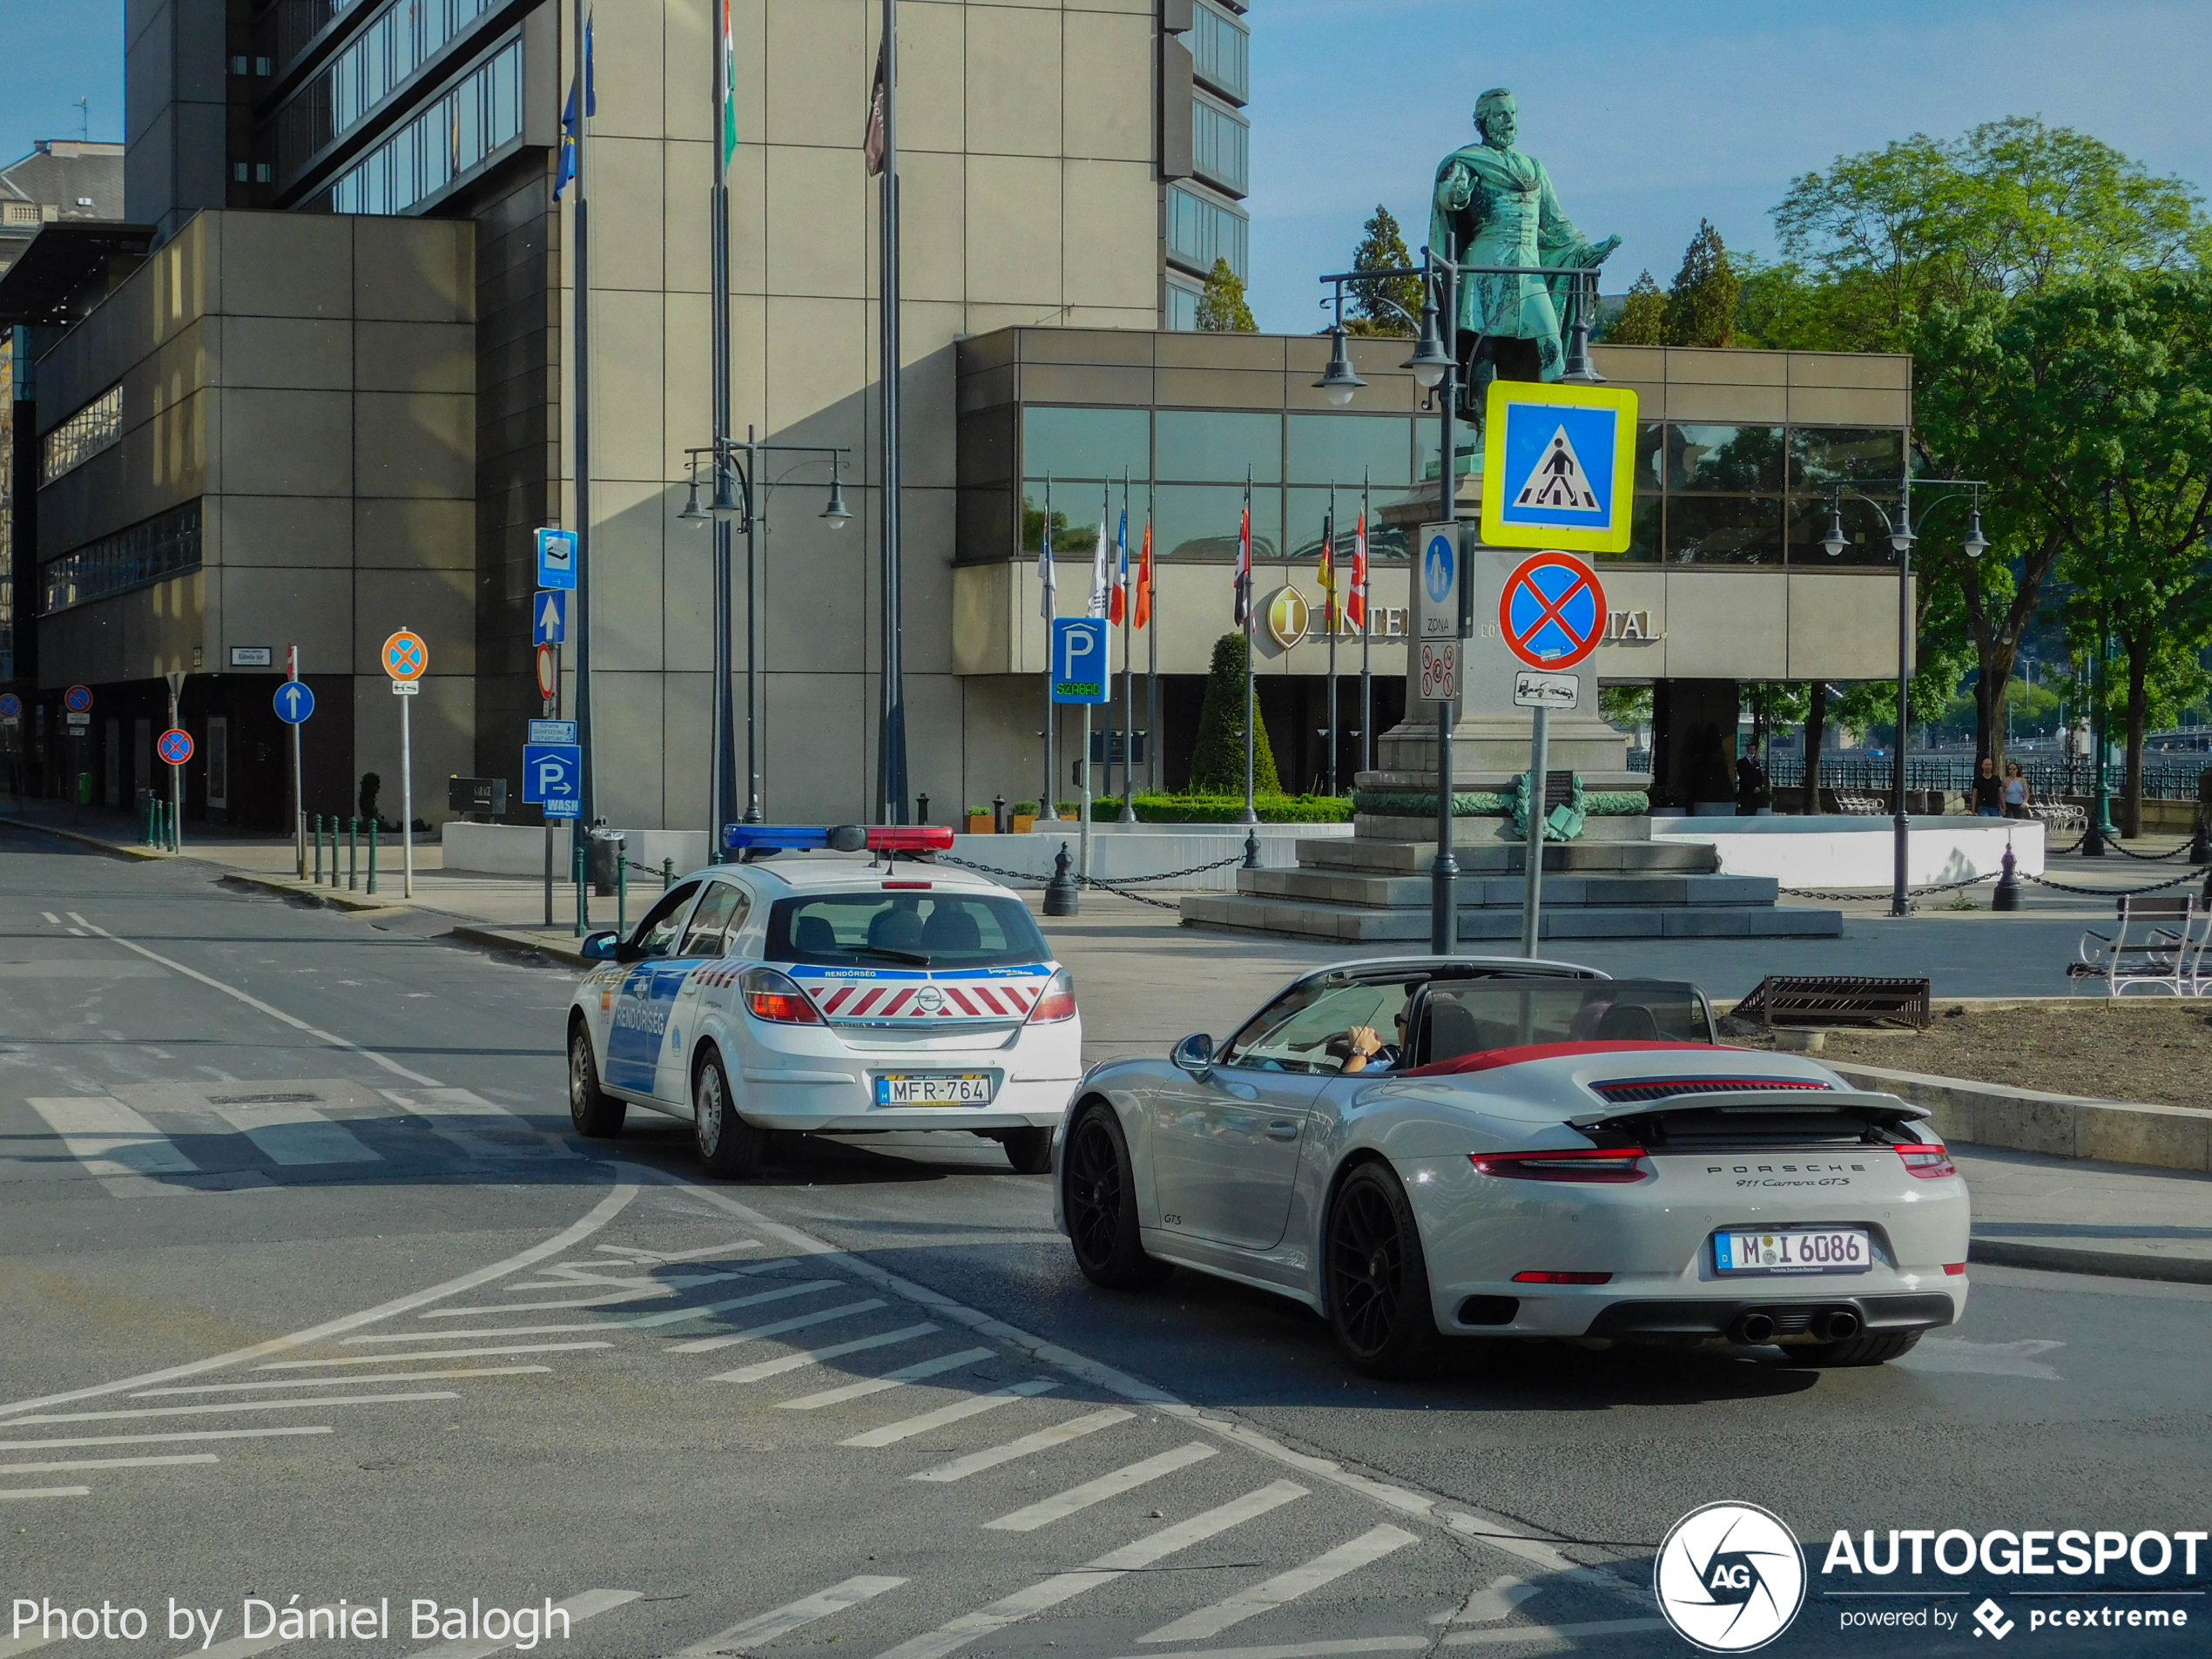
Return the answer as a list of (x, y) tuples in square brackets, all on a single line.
[(2015, 790), (1989, 790), (1750, 786)]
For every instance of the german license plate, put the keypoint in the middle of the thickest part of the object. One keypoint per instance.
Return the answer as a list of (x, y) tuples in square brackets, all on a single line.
[(933, 1088), (1798, 1250)]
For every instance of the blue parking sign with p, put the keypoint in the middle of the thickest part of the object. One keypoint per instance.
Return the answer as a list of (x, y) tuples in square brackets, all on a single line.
[(1558, 467), (553, 778), (1079, 670)]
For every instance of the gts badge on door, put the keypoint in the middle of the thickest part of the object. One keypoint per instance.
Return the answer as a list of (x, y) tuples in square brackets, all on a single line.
[(641, 1014)]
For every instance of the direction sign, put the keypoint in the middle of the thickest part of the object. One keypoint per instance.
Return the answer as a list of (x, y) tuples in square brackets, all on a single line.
[(552, 773), (557, 559), (78, 722), (1558, 464), (294, 701), (549, 617), (78, 699), (174, 745), (1437, 680), (1534, 690), (405, 656), (549, 677), (1440, 572), (1079, 671), (552, 732), (10, 706), (1551, 611)]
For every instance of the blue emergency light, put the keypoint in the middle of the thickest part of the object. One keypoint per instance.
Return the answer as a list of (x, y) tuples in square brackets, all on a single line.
[(837, 838)]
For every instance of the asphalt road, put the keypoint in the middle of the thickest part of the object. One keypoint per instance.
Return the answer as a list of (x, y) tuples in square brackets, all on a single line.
[(307, 1291)]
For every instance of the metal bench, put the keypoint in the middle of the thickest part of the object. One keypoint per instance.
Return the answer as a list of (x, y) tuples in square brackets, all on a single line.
[(2061, 815), (2159, 944), (1806, 1000), (1862, 806)]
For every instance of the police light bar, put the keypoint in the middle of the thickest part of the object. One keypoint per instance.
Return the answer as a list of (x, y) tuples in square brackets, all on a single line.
[(837, 838)]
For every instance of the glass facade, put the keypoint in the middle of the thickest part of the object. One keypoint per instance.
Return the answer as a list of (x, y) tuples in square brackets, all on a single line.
[(475, 119), (8, 341), (96, 426), (158, 547), (1200, 231), (1183, 307), (1220, 145), (1751, 495), (1220, 51), (397, 41)]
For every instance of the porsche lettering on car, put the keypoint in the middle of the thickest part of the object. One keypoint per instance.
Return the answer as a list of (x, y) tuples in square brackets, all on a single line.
[(807, 988), (1431, 1147)]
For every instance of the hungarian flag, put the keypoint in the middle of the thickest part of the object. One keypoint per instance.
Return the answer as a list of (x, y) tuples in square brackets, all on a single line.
[(1144, 579), (1328, 574), (1244, 569), (729, 85), (1355, 604), (874, 141), (1118, 606)]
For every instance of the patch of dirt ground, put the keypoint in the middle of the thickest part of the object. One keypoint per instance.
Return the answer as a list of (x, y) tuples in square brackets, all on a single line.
[(2132, 1050)]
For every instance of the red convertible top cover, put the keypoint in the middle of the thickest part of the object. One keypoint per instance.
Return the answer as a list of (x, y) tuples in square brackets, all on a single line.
[(1490, 1059)]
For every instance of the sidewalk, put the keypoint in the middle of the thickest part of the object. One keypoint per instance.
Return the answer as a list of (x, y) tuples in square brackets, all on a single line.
[(2067, 1215)]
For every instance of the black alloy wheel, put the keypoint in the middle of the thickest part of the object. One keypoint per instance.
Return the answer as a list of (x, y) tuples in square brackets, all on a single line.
[(1100, 1202), (597, 1114), (1378, 1278), (729, 1146)]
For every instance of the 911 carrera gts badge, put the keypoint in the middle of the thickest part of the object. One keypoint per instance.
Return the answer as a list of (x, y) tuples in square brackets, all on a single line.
[(929, 999)]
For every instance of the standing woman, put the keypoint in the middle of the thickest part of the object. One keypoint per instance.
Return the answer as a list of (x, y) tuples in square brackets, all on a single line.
[(2015, 790)]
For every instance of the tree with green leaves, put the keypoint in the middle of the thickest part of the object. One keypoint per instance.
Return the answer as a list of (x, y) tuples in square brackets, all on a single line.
[(1222, 308), (1642, 320), (1217, 762), (1382, 306), (1701, 306)]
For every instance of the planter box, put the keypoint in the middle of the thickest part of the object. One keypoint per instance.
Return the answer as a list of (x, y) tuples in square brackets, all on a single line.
[(981, 824)]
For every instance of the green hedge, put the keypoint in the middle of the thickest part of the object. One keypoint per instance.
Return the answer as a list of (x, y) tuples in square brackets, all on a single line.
[(1227, 809)]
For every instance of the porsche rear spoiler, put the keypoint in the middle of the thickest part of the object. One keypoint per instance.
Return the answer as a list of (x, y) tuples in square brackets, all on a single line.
[(1756, 1114)]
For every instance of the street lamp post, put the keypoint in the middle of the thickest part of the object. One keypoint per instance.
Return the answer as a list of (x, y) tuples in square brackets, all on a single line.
[(737, 499), (1902, 537)]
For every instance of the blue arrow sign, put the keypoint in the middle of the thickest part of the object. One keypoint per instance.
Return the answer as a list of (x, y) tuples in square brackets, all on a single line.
[(553, 776), (549, 617), (295, 702), (1079, 671), (557, 559)]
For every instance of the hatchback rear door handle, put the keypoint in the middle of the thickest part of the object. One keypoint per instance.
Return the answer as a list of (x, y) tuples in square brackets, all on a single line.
[(1282, 1129)]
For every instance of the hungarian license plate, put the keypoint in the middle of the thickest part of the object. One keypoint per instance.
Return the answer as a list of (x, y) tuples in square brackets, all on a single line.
[(1800, 1250), (933, 1088)]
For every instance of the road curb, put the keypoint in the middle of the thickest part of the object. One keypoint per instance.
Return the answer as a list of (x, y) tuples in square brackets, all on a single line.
[(504, 940), (2105, 1264), (289, 888), (94, 843), (1970, 1113)]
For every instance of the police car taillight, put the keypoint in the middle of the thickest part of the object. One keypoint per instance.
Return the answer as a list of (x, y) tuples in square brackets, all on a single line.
[(1058, 1001), (768, 995)]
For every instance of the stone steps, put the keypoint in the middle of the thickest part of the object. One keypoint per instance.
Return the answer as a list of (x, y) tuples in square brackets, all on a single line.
[(1480, 890), (1382, 858), (1363, 924)]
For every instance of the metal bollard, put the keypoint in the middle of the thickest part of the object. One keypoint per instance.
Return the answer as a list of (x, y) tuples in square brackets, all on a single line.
[(372, 856), (1062, 895), (353, 851), (667, 874), (151, 800), (583, 894), (1001, 823), (2007, 895), (622, 890), (922, 809), (333, 850), (318, 876)]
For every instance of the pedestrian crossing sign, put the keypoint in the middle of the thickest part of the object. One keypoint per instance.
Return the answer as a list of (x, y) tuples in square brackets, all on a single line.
[(1558, 466)]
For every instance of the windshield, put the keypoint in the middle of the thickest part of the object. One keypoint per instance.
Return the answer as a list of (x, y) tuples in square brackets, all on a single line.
[(1461, 1017), (938, 930)]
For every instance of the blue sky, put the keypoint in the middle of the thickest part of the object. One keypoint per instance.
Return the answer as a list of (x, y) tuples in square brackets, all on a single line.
[(1649, 116)]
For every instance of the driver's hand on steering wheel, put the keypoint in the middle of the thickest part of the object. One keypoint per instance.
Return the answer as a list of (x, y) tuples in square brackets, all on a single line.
[(1365, 1043)]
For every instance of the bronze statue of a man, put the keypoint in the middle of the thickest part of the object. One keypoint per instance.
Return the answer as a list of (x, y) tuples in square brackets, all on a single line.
[(1495, 206)]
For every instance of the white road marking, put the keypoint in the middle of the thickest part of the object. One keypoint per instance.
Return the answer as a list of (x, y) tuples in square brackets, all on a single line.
[(434, 1354), (346, 1382), (1510, 1633), (601, 1213), (232, 1406), (1047, 1511), (51, 917), (908, 1427), (9, 1494), (764, 1627), (108, 1138), (1493, 1605), (10, 1646), (63, 1465), (613, 1298), (245, 1646), (470, 1121), (672, 1256), (798, 1322), (173, 1435), (1370, 1546), (1044, 1440), (815, 1356), (259, 1006), (634, 1322), (578, 1607), (292, 1133), (1063, 1587), (898, 1379)]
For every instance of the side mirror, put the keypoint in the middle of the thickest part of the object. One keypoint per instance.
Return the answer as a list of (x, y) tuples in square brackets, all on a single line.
[(1194, 1054), (600, 948)]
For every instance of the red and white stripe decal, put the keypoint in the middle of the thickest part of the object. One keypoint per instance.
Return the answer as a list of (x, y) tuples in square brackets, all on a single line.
[(960, 1000)]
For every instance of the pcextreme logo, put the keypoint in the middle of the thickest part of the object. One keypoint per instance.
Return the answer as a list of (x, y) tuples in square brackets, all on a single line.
[(1730, 1577)]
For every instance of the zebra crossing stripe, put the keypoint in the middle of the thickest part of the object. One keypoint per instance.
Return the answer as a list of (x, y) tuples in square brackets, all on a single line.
[(975, 1405), (797, 1322), (1044, 1440), (1370, 1546), (108, 1138), (891, 1379), (1107, 1486), (836, 1350), (764, 1627)]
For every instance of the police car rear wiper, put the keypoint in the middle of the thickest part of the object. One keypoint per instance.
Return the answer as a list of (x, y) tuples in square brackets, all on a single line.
[(920, 959)]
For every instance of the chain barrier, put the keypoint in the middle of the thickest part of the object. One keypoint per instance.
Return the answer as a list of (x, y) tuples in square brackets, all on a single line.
[(1911, 893), (2115, 893), (2147, 857), (1119, 891)]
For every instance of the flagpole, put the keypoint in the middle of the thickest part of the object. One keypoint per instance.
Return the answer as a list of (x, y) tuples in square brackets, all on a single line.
[(1329, 600), (1252, 689), (1364, 569), (1106, 517), (722, 804), (580, 300), (1128, 666), (891, 769), (1151, 645), (1049, 808)]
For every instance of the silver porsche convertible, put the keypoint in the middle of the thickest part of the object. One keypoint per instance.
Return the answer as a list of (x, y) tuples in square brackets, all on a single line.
[(1429, 1147)]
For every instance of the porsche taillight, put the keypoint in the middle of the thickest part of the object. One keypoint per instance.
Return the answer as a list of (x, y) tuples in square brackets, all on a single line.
[(1611, 1165), (1058, 1001), (771, 996), (1929, 1162)]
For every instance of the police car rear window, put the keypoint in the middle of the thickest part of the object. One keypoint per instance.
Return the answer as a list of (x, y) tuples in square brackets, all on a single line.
[(904, 930)]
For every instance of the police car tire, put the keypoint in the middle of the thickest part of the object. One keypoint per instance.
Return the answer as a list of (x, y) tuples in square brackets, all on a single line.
[(1029, 1150), (1855, 1351), (734, 1153), (1102, 1224), (597, 1114)]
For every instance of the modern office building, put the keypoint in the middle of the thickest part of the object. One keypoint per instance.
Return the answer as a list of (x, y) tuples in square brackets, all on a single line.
[(320, 387), (1205, 68)]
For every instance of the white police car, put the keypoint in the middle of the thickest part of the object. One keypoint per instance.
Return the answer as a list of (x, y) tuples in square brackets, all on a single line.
[(808, 988)]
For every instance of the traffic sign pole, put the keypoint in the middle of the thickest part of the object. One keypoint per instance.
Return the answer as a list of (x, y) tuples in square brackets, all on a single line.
[(176, 771), (299, 793), (407, 801), (1532, 891)]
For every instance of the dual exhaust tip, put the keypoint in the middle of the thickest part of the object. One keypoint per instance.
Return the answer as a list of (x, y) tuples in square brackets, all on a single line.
[(1756, 1329)]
